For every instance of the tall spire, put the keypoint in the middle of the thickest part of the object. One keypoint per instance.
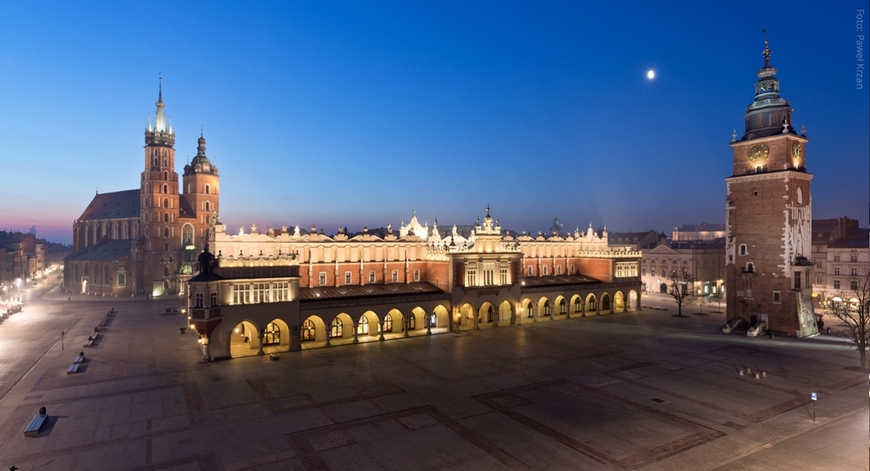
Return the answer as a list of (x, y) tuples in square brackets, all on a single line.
[(160, 118), (769, 113), (159, 134)]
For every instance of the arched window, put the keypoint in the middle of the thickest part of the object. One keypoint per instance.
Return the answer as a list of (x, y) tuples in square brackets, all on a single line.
[(165, 232), (165, 177), (122, 279), (800, 196), (530, 309), (337, 330), (563, 307), (165, 162), (165, 217), (578, 305), (388, 323), (165, 188), (272, 334), (605, 302), (592, 304), (166, 272), (308, 330), (187, 235), (207, 206), (412, 321), (208, 189), (165, 202), (363, 327), (547, 309)]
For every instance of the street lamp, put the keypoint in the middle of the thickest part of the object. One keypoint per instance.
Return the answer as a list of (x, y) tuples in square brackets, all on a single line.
[(18, 288)]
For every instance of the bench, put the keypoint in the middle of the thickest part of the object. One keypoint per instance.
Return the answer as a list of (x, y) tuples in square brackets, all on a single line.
[(73, 369), (39, 419), (80, 358), (93, 336), (273, 356), (89, 343)]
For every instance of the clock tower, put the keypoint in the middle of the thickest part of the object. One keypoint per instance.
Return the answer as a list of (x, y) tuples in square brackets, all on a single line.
[(769, 217)]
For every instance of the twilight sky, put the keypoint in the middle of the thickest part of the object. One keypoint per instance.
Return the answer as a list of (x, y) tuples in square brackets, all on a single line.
[(352, 114)]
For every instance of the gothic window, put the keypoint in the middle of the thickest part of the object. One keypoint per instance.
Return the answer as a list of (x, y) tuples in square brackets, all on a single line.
[(122, 279), (207, 206), (412, 321), (388, 323), (272, 334), (165, 202), (337, 330), (530, 310), (547, 308), (592, 304), (208, 189), (363, 327), (165, 177), (563, 307), (165, 232), (165, 189), (578, 305), (165, 217), (187, 235), (308, 330), (165, 162), (605, 302), (800, 196), (742, 249)]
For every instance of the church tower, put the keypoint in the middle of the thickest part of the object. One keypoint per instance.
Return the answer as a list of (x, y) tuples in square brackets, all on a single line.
[(159, 206), (201, 198), (769, 216)]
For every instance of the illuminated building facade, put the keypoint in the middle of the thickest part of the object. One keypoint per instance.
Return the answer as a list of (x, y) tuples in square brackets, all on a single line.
[(287, 290), (145, 241), (769, 217)]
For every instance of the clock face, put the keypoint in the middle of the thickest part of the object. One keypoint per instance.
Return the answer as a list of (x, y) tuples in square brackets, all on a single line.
[(796, 150), (758, 152)]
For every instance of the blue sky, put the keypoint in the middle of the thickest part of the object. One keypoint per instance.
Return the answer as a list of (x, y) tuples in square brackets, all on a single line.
[(352, 114)]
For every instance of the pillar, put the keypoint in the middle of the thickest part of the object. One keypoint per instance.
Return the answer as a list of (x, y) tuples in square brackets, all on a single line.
[(355, 333), (380, 328), (476, 320), (406, 323), (429, 323), (260, 341)]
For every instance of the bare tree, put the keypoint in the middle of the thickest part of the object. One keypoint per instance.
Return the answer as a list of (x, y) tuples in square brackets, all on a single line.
[(681, 288), (852, 308)]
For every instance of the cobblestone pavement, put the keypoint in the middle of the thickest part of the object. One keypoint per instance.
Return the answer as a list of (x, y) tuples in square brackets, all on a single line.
[(646, 391)]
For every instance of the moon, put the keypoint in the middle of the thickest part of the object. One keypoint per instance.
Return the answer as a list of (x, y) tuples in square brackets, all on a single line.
[(651, 74)]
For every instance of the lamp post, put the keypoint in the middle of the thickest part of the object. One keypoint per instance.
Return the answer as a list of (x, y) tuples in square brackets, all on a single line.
[(18, 288)]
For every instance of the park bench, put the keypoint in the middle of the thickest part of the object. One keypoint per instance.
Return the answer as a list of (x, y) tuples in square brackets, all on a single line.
[(89, 343), (73, 369), (273, 356), (80, 358), (39, 419)]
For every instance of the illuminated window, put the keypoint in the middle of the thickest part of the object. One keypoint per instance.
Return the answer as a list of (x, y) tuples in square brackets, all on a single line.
[(416, 275), (559, 269), (578, 305), (198, 302), (272, 334), (545, 270), (371, 277), (308, 330), (412, 321), (348, 276), (212, 299), (363, 327), (337, 330), (322, 278), (395, 276), (547, 308), (503, 275), (776, 297), (530, 270), (471, 275), (388, 323), (563, 307)]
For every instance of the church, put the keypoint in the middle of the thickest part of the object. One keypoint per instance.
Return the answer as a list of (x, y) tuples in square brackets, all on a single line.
[(145, 241)]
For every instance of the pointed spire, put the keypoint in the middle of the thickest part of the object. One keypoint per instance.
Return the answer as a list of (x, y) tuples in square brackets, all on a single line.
[(159, 89), (766, 52)]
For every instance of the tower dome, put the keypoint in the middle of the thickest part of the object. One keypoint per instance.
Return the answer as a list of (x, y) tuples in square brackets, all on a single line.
[(769, 113)]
